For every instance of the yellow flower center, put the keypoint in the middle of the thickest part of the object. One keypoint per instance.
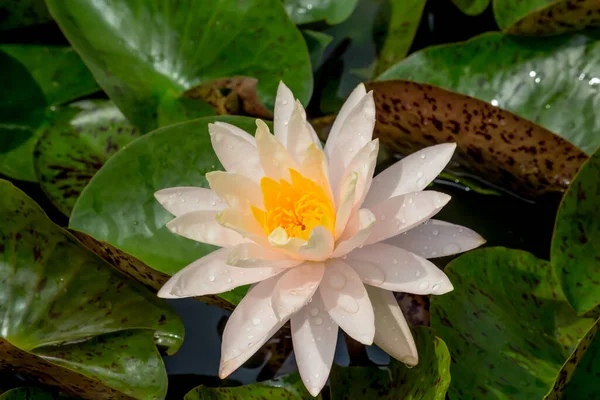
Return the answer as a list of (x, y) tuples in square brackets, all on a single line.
[(297, 207)]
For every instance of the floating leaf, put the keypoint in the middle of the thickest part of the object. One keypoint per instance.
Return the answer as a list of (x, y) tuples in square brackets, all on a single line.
[(507, 311), (144, 54), (575, 252), (78, 141), (34, 79), (118, 205), (29, 393), (429, 380), (585, 381), (317, 42), (472, 7), (289, 387), (332, 11), (496, 144), (70, 319), (537, 79), (546, 17), (22, 13)]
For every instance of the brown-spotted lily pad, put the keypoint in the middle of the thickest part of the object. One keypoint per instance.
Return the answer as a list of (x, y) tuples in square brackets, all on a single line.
[(69, 319), (496, 144)]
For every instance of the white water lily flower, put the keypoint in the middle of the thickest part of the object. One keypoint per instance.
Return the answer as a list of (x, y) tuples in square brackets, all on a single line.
[(310, 227)]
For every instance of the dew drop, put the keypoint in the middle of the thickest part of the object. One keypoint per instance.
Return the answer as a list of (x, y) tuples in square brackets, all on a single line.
[(532, 74), (419, 174), (230, 147), (256, 321), (581, 76), (314, 311), (423, 285), (318, 321), (434, 253), (494, 102), (337, 281), (348, 304), (423, 156), (211, 278), (451, 248), (435, 287), (284, 102), (250, 337), (350, 150), (420, 183), (460, 230), (395, 261), (235, 352), (213, 203), (435, 232), (285, 123)]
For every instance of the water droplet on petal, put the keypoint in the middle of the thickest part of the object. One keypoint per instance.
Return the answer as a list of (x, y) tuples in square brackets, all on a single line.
[(419, 174), (451, 248), (256, 321), (314, 311), (435, 232), (284, 102), (423, 156), (423, 285), (435, 287), (211, 278), (348, 304), (395, 261), (318, 321)]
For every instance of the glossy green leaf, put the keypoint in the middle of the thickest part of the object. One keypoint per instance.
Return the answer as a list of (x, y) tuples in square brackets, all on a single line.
[(34, 79), (146, 53), (405, 16), (332, 11), (118, 205), (536, 79), (472, 7), (317, 42), (575, 251), (429, 380), (77, 142), (546, 17), (585, 382), (29, 393), (508, 328), (289, 387), (60, 305), (22, 13)]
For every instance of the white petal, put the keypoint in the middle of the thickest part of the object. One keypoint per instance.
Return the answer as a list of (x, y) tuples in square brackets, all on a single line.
[(345, 203), (250, 255), (393, 268), (237, 190), (211, 275), (347, 302), (401, 213), (299, 137), (392, 333), (251, 324), (366, 221), (435, 238), (411, 174), (315, 168), (295, 288), (243, 223), (284, 106), (274, 158), (314, 136), (314, 335), (280, 240), (363, 164), (237, 153), (355, 133), (181, 200), (202, 226), (355, 97), (319, 245)]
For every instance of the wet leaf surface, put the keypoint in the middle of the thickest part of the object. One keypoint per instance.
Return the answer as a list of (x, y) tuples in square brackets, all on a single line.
[(77, 142), (144, 54), (576, 242), (506, 309), (60, 305), (505, 149), (331, 11), (537, 79)]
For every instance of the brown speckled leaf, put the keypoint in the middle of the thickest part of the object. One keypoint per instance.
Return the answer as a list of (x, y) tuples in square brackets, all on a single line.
[(498, 145)]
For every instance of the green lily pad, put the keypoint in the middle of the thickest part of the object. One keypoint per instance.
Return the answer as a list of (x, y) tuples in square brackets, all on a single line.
[(332, 11), (546, 17), (68, 315), (405, 16), (507, 317), (585, 382), (537, 79), (317, 42), (21, 13), (34, 79), (289, 387), (78, 141), (429, 380), (29, 393), (575, 253), (144, 54), (118, 205), (472, 7)]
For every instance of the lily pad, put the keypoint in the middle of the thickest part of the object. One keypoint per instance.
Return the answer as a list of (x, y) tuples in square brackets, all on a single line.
[(575, 253), (585, 382), (289, 387), (472, 7), (317, 42), (29, 393), (537, 79), (145, 54), (332, 11), (546, 17), (506, 310), (118, 205), (78, 141), (429, 380), (497, 145), (69, 318), (34, 79)]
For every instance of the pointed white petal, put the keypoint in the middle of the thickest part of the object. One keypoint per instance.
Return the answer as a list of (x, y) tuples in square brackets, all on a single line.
[(210, 275), (202, 226), (274, 158), (299, 137), (366, 221), (237, 190), (401, 213), (182, 200), (315, 168), (251, 324), (345, 203), (393, 268), (392, 333), (314, 335), (284, 106), (319, 246), (237, 152), (355, 97), (314, 136), (243, 223), (250, 255), (411, 174), (435, 238), (295, 287), (363, 164), (347, 302)]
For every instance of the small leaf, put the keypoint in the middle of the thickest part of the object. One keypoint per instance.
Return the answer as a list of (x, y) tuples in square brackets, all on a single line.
[(306, 11), (472, 7), (575, 253)]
